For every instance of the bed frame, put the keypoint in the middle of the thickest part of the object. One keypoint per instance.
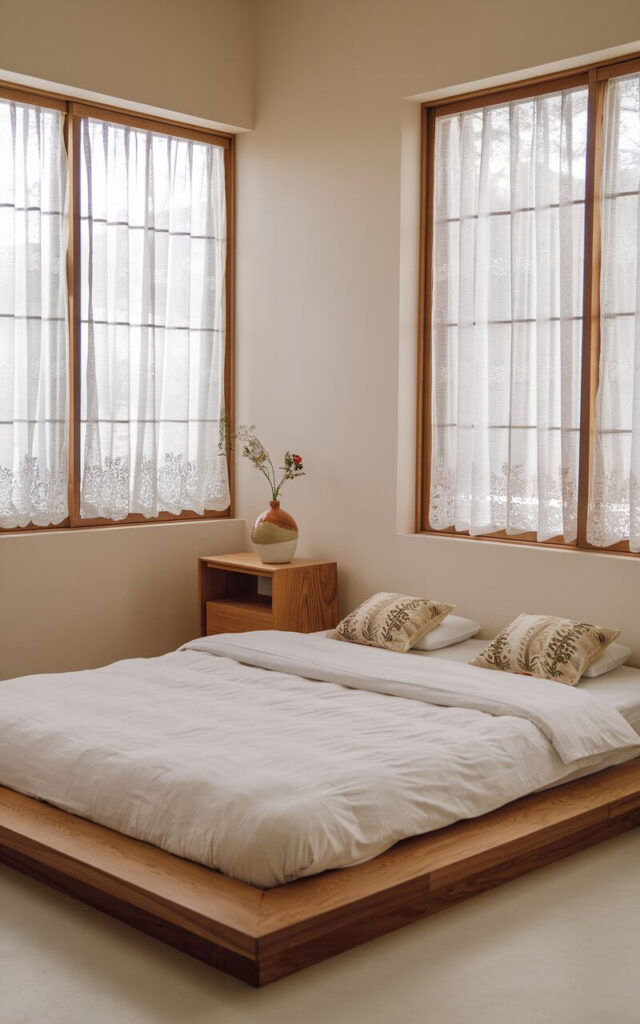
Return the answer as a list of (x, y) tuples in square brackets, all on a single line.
[(262, 935)]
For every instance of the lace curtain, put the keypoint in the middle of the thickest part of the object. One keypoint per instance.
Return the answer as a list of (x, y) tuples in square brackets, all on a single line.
[(507, 316), (153, 241), (614, 506), (33, 316)]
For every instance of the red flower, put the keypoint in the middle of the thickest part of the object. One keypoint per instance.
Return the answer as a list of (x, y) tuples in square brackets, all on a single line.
[(297, 459)]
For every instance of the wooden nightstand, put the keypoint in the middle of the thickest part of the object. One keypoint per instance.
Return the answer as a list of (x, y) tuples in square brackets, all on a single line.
[(239, 592)]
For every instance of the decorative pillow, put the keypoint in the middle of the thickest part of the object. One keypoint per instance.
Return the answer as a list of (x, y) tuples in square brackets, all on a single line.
[(393, 621), (547, 647), (453, 630), (614, 656)]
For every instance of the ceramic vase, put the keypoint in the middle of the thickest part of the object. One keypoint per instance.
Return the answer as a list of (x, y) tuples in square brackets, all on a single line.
[(275, 534)]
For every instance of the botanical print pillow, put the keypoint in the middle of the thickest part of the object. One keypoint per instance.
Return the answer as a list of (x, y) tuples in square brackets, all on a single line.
[(547, 647), (393, 621)]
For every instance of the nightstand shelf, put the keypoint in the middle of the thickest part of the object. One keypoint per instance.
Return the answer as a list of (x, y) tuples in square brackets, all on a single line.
[(239, 592)]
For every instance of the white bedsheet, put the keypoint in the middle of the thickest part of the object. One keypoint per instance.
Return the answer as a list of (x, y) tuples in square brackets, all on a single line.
[(268, 776)]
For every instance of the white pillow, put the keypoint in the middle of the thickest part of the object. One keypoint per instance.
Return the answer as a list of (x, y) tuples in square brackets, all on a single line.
[(453, 630), (614, 656)]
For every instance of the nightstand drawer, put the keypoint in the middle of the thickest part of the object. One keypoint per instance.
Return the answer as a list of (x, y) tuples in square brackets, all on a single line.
[(238, 616)]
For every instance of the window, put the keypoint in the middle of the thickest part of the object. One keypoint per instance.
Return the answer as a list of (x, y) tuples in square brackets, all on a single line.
[(115, 288), (530, 390), (614, 513)]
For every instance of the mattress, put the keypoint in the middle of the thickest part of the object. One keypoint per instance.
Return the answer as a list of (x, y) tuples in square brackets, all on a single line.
[(273, 756)]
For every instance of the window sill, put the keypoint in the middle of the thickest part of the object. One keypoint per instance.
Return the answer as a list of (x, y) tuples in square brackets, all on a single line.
[(618, 549), (166, 519)]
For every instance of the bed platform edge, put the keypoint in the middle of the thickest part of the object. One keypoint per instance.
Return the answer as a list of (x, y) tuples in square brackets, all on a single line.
[(259, 936)]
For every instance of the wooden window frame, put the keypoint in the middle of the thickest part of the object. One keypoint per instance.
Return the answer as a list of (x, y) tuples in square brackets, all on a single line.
[(595, 77), (74, 111)]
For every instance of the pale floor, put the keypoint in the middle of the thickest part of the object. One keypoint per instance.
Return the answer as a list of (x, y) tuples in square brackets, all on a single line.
[(561, 945)]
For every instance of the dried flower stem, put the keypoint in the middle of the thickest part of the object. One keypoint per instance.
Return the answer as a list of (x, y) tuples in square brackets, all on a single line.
[(255, 451)]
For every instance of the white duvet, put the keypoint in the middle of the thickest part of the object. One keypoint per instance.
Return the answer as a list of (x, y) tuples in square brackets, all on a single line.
[(271, 756)]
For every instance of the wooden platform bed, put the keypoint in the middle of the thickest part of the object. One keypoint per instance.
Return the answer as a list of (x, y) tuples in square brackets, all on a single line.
[(262, 935)]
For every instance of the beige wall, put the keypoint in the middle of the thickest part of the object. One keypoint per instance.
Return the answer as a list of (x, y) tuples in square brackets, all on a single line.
[(189, 56), (81, 598), (322, 348)]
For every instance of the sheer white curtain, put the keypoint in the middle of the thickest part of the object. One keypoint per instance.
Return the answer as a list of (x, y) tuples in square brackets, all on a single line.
[(507, 316), (614, 507), (33, 316), (153, 243)]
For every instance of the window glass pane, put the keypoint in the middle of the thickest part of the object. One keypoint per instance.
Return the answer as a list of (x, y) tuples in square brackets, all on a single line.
[(33, 316), (614, 505), (509, 196), (153, 251)]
